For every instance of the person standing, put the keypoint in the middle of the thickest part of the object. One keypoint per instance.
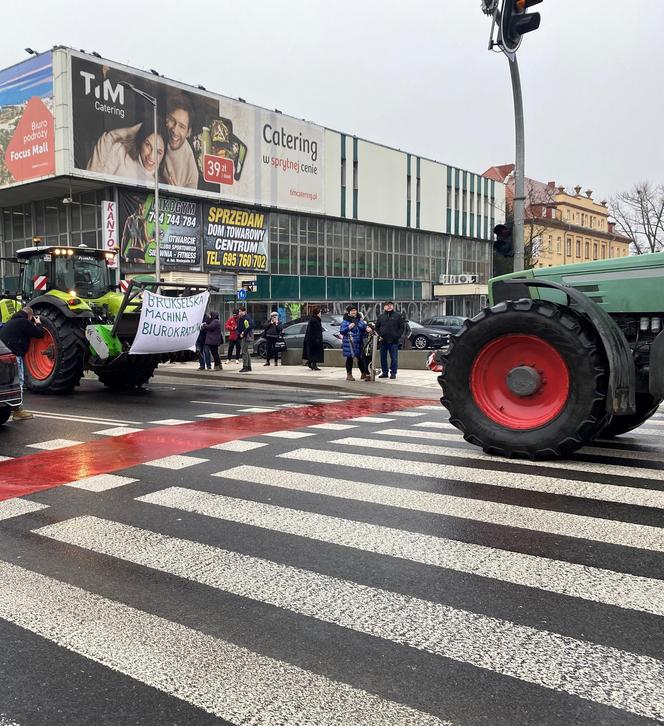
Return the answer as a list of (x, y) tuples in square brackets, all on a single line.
[(312, 348), (352, 330), (213, 340), (246, 336), (390, 326), (272, 333), (16, 334), (233, 339), (204, 360)]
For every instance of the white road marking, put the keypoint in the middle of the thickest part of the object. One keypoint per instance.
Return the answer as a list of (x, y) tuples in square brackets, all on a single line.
[(217, 403), (370, 419), (289, 434), (5, 458), (219, 677), (257, 409), (440, 408), (621, 453), (294, 405), (594, 672), (332, 426), (406, 414), (239, 445), (170, 421), (438, 425), (117, 431), (324, 400), (589, 583), (101, 482), (215, 415), (53, 444), (84, 419), (16, 507), (175, 462), (509, 515), (584, 467)]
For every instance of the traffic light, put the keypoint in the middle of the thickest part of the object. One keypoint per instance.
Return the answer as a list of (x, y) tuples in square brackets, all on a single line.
[(516, 22), (503, 244)]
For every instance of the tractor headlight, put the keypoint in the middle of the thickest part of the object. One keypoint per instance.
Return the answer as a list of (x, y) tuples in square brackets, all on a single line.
[(69, 252)]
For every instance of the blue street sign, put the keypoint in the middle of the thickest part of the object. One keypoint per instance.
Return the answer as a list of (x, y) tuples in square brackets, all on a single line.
[(242, 294)]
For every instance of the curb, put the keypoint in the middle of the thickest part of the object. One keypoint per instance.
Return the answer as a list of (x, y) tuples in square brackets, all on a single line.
[(292, 381)]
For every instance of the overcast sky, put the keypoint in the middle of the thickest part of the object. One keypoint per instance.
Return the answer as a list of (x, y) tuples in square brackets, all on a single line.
[(415, 75)]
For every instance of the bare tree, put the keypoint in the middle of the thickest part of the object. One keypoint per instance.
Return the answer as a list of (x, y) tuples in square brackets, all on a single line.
[(539, 198), (639, 215)]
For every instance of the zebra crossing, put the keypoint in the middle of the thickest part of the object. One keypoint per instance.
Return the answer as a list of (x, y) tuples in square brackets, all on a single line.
[(373, 570)]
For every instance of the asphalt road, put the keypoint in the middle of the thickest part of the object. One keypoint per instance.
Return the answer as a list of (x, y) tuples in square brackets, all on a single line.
[(200, 554)]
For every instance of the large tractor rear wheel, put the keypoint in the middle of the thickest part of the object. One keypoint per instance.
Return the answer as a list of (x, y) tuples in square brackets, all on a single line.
[(528, 379), (646, 406), (133, 371), (54, 363)]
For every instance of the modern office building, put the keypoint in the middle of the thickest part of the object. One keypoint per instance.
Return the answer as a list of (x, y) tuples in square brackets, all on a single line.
[(289, 212)]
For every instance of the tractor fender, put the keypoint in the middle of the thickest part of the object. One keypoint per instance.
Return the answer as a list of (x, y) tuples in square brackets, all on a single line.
[(621, 398), (61, 305)]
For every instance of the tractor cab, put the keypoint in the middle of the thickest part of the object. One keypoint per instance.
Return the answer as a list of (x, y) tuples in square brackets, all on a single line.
[(82, 271)]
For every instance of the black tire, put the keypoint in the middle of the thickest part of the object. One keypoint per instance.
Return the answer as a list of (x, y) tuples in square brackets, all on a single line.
[(5, 413), (646, 406), (261, 350), (68, 352), (581, 413), (133, 371), (420, 342)]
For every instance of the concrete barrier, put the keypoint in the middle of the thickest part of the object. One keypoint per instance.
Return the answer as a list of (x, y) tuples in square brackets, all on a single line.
[(408, 359)]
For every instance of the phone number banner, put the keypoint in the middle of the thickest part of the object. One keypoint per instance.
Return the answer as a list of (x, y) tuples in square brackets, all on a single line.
[(234, 239), (180, 230)]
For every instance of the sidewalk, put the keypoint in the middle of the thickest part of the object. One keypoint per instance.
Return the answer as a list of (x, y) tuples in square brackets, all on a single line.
[(419, 384)]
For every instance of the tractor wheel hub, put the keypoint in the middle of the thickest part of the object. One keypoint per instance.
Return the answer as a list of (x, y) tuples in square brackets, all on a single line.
[(524, 381)]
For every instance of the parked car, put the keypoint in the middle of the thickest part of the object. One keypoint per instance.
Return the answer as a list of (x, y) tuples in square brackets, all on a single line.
[(422, 337), (294, 337), (334, 320), (450, 323), (10, 392)]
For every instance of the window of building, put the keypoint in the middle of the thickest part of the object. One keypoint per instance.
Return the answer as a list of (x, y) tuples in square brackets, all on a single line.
[(594, 250), (587, 250), (568, 246), (603, 251), (578, 247)]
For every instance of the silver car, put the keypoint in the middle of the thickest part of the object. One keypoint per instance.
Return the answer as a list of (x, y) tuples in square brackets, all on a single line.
[(294, 336)]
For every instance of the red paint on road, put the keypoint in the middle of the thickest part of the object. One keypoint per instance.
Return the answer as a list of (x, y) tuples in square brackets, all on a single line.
[(36, 472)]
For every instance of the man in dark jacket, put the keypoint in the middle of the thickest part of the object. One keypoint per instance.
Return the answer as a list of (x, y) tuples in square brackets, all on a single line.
[(245, 331), (16, 334), (390, 326)]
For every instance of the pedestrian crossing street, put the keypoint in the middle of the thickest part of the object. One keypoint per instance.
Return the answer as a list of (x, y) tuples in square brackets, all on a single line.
[(374, 570)]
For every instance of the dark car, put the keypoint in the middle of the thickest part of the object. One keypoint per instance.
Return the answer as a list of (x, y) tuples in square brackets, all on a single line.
[(10, 391), (294, 337), (422, 337), (450, 323)]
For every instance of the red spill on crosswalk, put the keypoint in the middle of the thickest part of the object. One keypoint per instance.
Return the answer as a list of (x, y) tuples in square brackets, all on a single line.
[(36, 472)]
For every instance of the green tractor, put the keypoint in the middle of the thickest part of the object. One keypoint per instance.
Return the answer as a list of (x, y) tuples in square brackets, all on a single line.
[(89, 324), (564, 355)]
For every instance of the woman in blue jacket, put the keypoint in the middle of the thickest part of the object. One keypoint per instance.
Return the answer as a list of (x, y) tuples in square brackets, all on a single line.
[(353, 329)]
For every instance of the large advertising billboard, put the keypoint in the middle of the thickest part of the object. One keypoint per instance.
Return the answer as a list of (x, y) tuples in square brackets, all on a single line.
[(234, 239), (207, 145), (27, 126)]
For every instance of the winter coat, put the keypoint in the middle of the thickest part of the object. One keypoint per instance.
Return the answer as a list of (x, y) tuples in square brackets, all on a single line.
[(17, 332), (312, 348), (272, 330), (245, 326), (213, 330), (391, 326), (200, 341), (354, 336), (231, 326)]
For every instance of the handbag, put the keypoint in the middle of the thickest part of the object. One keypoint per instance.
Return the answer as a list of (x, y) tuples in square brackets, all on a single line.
[(280, 345)]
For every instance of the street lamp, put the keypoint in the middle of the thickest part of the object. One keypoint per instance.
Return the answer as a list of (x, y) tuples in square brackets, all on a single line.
[(152, 100)]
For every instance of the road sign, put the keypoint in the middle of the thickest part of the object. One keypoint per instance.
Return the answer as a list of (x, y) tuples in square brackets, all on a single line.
[(241, 294)]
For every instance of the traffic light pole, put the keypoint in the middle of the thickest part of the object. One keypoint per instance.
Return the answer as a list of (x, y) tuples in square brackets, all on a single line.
[(519, 166)]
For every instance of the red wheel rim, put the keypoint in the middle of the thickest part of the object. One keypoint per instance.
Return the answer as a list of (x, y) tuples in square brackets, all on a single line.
[(540, 360), (40, 358)]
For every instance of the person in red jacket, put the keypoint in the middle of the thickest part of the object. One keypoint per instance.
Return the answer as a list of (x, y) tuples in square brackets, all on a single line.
[(233, 338)]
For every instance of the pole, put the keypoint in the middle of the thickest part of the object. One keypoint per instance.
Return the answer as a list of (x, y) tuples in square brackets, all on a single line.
[(157, 269), (520, 160)]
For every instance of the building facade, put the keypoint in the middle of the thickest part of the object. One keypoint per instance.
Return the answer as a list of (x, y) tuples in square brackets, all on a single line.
[(562, 226), (289, 212)]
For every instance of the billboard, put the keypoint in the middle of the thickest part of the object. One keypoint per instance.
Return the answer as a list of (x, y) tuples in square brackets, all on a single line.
[(234, 239), (180, 231), (207, 145), (27, 126)]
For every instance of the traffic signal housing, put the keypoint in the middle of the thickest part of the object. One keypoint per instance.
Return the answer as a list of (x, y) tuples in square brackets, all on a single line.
[(515, 22), (503, 244)]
